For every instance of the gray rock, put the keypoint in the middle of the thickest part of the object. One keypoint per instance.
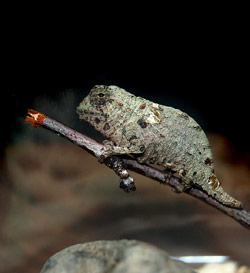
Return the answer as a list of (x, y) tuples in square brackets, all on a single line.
[(124, 256)]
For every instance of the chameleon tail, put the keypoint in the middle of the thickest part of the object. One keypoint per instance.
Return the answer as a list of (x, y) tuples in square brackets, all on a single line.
[(226, 199), (214, 189)]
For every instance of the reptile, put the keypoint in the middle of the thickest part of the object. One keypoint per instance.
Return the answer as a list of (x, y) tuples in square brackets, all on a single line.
[(154, 134)]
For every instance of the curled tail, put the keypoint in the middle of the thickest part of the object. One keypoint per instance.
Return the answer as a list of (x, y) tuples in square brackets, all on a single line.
[(214, 189)]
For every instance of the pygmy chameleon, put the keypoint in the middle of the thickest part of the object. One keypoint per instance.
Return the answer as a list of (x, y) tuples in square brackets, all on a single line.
[(154, 134)]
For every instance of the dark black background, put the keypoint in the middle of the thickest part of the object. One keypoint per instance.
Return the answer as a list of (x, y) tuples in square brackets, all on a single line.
[(197, 54), (208, 81)]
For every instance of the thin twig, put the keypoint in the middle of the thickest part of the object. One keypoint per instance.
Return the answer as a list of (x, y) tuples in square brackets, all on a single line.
[(120, 163)]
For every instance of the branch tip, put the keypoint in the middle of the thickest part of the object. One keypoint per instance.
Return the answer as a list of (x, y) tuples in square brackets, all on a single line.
[(35, 118)]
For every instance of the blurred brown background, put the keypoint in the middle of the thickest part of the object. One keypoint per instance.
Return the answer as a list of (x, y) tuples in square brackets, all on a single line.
[(53, 194)]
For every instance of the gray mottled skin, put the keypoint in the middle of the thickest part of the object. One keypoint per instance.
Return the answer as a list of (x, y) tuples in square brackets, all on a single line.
[(154, 134)]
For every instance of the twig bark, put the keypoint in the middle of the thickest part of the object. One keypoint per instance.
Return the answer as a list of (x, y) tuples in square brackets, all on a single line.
[(120, 164)]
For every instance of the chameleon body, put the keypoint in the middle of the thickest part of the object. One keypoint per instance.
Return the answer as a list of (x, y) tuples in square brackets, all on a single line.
[(154, 134)]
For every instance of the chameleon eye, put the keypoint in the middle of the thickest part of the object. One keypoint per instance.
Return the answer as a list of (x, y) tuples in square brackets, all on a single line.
[(101, 95)]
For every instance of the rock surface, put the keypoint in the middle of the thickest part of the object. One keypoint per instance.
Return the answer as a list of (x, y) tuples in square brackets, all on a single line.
[(124, 256)]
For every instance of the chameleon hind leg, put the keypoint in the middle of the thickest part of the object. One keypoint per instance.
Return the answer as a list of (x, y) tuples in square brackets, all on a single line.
[(180, 187)]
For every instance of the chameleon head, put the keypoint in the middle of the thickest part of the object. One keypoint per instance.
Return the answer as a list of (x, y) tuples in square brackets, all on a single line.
[(96, 107)]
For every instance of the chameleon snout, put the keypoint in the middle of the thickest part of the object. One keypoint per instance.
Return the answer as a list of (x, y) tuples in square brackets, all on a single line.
[(80, 109)]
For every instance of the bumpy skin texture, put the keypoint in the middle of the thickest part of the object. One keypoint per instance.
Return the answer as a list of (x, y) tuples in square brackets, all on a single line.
[(154, 134)]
